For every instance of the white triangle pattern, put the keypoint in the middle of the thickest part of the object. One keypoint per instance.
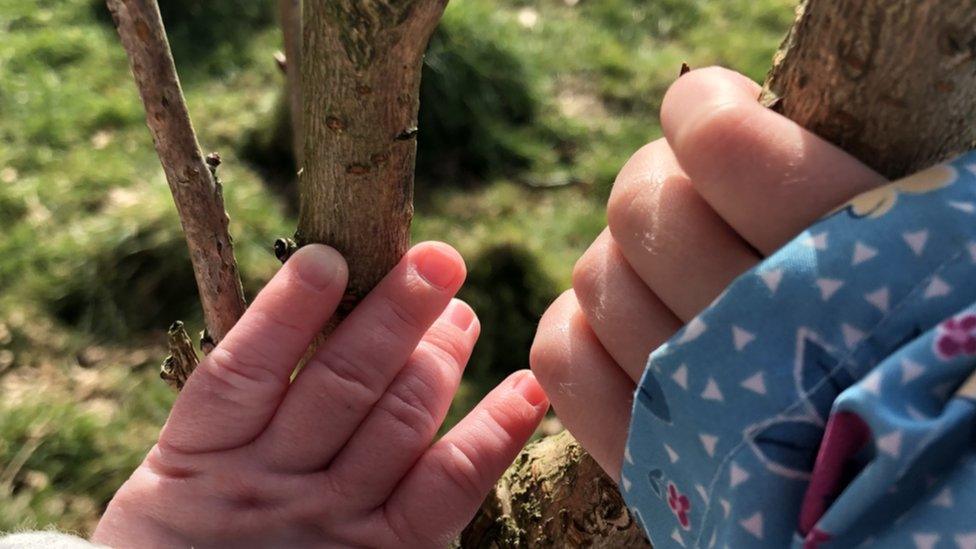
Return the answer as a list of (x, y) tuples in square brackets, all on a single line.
[(709, 442), (712, 392), (925, 541), (890, 444), (966, 541), (693, 330), (910, 371), (916, 240), (943, 499), (756, 383), (676, 536), (967, 207), (852, 335), (879, 298), (872, 383), (741, 337), (737, 475), (862, 253), (817, 241), (672, 455), (828, 287), (680, 376), (937, 288), (772, 278), (754, 525)]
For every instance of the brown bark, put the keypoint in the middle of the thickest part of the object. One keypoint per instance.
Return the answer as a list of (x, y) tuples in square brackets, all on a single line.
[(182, 359), (892, 82), (196, 192), (361, 80), (290, 15), (555, 495)]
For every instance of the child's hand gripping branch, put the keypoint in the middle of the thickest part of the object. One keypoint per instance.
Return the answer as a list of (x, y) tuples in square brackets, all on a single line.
[(729, 184), (822, 392), (342, 456)]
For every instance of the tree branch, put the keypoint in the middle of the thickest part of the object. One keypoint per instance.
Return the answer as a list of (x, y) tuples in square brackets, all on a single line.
[(361, 83), (891, 82), (197, 194)]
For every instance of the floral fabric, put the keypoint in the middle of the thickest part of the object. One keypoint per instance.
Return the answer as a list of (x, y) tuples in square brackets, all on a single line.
[(828, 398)]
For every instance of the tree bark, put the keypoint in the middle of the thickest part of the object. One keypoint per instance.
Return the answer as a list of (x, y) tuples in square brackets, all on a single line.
[(555, 495), (892, 82), (290, 14), (196, 191), (361, 66)]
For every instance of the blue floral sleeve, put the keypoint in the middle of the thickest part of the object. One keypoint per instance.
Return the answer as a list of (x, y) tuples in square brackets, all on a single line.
[(828, 398)]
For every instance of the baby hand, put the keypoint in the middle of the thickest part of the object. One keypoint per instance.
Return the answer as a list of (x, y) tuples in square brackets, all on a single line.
[(729, 184), (342, 455)]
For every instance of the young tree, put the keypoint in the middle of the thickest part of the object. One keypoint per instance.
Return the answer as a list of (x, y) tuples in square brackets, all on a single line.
[(890, 81)]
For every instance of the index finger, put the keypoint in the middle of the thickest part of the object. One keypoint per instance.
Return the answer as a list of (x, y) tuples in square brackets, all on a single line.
[(235, 390), (768, 177)]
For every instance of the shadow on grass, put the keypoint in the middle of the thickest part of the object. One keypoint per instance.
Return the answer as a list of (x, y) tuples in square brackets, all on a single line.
[(208, 37), (510, 292)]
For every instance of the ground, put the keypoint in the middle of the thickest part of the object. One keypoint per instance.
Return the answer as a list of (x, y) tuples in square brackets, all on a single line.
[(529, 108)]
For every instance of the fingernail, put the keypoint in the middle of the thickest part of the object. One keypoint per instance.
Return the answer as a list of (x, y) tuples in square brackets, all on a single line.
[(460, 315), (531, 391), (316, 264), (437, 266)]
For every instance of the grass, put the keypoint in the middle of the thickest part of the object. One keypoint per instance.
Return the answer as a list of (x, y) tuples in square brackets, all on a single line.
[(529, 109)]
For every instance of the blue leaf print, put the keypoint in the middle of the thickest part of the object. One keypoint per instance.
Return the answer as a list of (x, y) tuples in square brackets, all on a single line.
[(787, 446), (818, 377)]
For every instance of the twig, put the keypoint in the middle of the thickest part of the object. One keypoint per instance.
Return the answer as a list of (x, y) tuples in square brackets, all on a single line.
[(198, 196), (182, 359)]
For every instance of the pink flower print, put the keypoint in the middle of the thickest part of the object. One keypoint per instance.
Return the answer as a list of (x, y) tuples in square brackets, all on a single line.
[(679, 505), (956, 336)]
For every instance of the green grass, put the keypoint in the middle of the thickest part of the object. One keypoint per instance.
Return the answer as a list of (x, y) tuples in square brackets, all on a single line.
[(529, 109)]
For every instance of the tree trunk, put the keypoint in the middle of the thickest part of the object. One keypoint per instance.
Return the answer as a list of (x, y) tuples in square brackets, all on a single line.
[(892, 82), (361, 66)]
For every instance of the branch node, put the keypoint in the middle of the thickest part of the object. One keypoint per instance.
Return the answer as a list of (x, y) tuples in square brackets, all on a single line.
[(283, 248), (182, 359)]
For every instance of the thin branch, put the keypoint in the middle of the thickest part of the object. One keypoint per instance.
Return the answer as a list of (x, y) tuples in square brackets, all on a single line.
[(197, 194)]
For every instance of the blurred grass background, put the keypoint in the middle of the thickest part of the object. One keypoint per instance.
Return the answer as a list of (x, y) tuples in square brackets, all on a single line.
[(529, 109)]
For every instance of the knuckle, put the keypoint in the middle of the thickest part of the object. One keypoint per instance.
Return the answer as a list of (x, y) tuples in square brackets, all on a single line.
[(283, 325), (238, 375), (547, 358), (409, 405), (715, 129), (442, 347), (459, 466), (345, 375), (399, 317), (588, 271)]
